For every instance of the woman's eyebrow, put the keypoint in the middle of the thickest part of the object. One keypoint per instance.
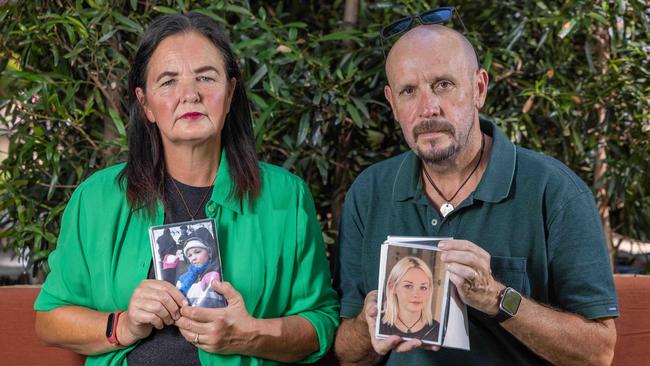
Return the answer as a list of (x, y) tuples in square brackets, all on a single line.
[(206, 68), (196, 71), (166, 73)]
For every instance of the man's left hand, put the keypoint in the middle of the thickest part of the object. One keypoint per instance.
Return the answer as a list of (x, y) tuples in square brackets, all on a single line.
[(469, 269), (221, 330)]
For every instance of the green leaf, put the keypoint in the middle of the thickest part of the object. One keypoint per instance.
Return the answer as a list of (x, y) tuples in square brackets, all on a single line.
[(107, 36), (487, 61), (259, 74), (567, 27), (165, 10), (340, 36), (117, 121), (293, 34), (239, 10), (301, 25), (354, 113), (25, 75), (250, 43), (599, 18), (128, 23), (258, 100), (303, 129), (360, 104)]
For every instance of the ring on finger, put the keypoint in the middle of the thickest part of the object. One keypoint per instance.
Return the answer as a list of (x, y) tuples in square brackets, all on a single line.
[(196, 339)]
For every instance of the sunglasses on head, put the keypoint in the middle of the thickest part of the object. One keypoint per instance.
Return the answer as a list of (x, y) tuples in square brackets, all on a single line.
[(435, 16)]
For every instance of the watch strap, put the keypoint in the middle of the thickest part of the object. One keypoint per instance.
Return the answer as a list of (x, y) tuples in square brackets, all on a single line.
[(111, 327), (501, 316)]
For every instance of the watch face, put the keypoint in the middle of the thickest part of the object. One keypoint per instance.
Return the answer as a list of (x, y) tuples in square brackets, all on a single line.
[(510, 302), (109, 325)]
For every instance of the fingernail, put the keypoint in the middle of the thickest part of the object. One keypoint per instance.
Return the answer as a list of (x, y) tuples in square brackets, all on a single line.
[(442, 245), (185, 302)]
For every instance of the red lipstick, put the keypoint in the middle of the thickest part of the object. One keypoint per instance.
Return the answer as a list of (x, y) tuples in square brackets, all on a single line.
[(192, 115)]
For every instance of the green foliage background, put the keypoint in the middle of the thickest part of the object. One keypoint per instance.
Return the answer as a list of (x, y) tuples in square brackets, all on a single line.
[(316, 86)]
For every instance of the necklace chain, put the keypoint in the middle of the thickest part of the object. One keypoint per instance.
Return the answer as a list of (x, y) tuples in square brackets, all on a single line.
[(448, 201), (408, 329), (205, 195)]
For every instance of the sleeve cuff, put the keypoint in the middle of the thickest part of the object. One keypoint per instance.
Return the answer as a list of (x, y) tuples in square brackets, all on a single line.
[(325, 326), (350, 310), (598, 310)]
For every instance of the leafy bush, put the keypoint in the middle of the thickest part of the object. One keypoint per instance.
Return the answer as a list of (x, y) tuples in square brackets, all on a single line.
[(568, 77)]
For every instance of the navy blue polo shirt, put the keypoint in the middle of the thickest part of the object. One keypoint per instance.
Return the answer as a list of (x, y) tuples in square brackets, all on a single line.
[(535, 217)]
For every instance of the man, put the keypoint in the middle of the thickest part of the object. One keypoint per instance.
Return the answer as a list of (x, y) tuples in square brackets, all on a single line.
[(185, 234), (525, 227)]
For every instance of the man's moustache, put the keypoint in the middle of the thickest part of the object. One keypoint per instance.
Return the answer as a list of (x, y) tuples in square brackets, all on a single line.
[(433, 126)]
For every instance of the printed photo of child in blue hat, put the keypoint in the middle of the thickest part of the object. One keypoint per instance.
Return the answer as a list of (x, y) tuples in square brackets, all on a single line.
[(194, 265), (202, 269)]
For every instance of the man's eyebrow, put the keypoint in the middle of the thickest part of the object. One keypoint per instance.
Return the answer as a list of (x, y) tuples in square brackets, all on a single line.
[(402, 86), (451, 77)]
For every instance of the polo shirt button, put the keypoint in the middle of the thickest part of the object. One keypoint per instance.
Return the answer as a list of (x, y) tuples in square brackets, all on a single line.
[(434, 222)]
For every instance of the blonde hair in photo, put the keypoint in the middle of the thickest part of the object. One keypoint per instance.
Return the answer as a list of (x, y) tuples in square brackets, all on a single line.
[(391, 308)]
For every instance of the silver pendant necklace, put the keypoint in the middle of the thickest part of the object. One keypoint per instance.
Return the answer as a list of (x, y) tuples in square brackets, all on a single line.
[(446, 208)]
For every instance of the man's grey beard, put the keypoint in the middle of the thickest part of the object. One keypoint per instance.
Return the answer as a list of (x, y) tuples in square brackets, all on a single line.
[(435, 156)]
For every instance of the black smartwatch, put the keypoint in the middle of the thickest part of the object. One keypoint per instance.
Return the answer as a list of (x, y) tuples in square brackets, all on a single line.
[(509, 301)]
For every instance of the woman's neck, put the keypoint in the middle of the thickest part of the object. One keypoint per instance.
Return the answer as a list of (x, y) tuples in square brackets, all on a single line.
[(195, 166), (409, 317), (409, 322)]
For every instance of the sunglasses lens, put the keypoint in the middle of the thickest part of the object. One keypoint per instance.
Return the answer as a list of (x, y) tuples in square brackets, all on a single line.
[(396, 28), (436, 16)]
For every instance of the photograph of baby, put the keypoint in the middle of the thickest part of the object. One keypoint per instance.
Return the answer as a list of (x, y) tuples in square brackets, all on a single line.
[(187, 255), (413, 296)]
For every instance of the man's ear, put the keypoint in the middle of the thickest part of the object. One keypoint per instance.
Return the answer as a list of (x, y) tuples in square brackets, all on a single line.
[(141, 99), (388, 93), (481, 80)]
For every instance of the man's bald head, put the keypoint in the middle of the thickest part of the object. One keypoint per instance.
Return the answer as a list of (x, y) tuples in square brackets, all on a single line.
[(447, 40), (436, 91)]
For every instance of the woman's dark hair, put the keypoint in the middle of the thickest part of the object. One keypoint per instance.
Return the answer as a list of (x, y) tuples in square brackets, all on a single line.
[(145, 168)]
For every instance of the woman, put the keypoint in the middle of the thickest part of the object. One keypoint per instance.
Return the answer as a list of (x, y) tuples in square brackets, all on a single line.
[(191, 156), (409, 298)]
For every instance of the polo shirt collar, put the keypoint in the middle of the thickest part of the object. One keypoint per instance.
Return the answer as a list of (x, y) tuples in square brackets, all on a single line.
[(407, 178), (223, 185), (496, 181), (500, 172)]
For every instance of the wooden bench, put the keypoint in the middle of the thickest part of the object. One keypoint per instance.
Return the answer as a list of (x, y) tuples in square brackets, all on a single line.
[(20, 346), (18, 342), (633, 326)]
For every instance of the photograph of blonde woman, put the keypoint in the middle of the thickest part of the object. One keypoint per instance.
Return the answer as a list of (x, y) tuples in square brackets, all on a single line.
[(410, 309)]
